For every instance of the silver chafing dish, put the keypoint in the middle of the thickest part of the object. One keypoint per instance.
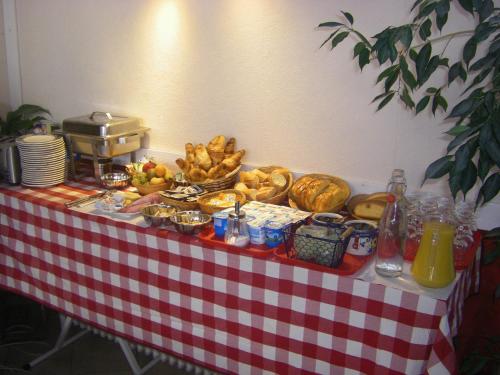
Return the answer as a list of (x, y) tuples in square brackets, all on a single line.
[(103, 136)]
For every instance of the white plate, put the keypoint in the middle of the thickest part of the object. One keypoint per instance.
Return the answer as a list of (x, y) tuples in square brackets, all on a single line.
[(103, 208), (37, 138), (44, 165), (42, 185)]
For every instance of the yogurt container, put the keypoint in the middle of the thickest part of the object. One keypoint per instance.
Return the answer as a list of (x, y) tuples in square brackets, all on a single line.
[(274, 232), (220, 223), (363, 239), (257, 231)]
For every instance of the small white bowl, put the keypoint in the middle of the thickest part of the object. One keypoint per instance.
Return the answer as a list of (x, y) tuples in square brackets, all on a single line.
[(328, 219)]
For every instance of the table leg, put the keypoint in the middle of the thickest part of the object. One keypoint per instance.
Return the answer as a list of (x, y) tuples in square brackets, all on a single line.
[(60, 343), (129, 355)]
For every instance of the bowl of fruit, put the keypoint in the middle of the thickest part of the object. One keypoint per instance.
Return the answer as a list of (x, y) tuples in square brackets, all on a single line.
[(149, 176)]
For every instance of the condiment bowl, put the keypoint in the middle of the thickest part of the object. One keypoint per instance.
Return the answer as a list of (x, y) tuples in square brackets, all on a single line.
[(188, 222), (158, 215), (115, 180), (328, 219)]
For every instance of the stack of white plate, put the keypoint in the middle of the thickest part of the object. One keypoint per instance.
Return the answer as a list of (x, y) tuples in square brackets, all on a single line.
[(43, 159)]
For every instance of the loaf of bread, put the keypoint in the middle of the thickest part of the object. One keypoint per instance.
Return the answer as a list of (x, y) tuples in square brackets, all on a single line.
[(320, 193)]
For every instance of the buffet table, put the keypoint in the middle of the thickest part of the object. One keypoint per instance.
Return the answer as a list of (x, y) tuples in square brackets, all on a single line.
[(221, 309)]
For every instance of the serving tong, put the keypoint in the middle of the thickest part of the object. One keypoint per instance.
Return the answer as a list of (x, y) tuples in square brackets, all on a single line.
[(88, 199)]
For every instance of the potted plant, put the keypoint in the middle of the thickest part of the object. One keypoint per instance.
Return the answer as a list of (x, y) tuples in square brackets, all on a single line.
[(406, 57), (22, 119)]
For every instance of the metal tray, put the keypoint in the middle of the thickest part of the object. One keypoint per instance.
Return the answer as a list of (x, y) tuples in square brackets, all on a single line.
[(101, 124)]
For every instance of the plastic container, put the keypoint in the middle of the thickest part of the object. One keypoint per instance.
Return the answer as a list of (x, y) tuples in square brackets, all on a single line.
[(220, 223), (433, 266)]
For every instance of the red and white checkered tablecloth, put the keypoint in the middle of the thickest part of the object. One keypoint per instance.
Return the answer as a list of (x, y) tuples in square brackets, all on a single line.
[(221, 309)]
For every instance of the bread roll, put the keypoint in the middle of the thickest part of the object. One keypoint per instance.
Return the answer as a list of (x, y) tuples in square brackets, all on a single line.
[(278, 181), (249, 179), (265, 193), (252, 194), (261, 175), (202, 158), (241, 187), (282, 171)]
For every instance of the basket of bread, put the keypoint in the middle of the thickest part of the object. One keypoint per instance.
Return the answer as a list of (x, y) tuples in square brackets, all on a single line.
[(266, 184), (214, 166), (220, 200), (367, 206), (319, 193)]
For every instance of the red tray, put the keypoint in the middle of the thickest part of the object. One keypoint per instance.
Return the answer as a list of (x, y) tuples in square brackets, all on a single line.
[(350, 263), (208, 236)]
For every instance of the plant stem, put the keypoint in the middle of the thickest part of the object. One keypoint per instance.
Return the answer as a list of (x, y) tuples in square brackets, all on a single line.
[(447, 36)]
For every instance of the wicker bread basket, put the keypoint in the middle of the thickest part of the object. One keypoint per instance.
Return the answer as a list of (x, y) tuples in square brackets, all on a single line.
[(147, 189), (224, 183), (282, 195), (180, 205), (292, 200), (207, 208)]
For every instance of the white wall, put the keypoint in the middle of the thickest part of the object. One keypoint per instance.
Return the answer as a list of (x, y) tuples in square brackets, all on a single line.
[(4, 84), (250, 69)]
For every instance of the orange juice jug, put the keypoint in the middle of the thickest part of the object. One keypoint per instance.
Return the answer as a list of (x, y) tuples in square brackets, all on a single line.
[(433, 266)]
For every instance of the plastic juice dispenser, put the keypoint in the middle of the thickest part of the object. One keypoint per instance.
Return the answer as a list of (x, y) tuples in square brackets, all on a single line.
[(433, 266)]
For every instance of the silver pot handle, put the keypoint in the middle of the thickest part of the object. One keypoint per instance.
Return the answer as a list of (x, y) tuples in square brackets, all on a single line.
[(105, 114)]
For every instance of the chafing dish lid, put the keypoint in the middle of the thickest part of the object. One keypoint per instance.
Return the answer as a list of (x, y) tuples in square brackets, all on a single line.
[(101, 124)]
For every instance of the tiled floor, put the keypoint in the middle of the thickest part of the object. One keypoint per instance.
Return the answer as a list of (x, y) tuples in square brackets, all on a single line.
[(90, 355)]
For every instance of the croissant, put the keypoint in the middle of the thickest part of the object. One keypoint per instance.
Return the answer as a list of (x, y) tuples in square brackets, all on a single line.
[(217, 144), (183, 164), (215, 172), (197, 174), (232, 162), (190, 155), (202, 158), (230, 146)]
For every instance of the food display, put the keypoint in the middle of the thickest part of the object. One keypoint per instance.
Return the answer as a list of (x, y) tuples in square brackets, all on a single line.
[(267, 184), (368, 206), (190, 222), (217, 201), (149, 176), (215, 161), (158, 215), (116, 201), (183, 197), (319, 193)]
